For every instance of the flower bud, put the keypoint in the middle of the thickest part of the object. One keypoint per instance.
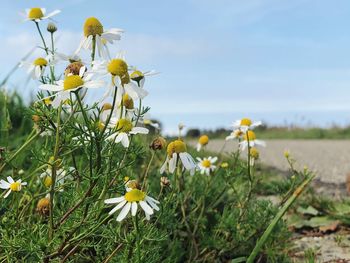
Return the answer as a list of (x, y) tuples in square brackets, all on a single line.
[(51, 27), (158, 143), (36, 118)]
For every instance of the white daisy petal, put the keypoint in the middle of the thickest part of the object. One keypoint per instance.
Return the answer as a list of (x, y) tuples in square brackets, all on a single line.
[(124, 212)]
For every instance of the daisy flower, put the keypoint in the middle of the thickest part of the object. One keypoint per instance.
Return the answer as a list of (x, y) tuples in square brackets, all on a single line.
[(254, 155), (69, 84), (94, 29), (235, 134), (117, 68), (177, 150), (249, 139), (245, 124), (123, 129), (202, 141), (140, 77), (11, 185), (130, 201), (207, 165), (37, 13), (36, 69), (61, 176)]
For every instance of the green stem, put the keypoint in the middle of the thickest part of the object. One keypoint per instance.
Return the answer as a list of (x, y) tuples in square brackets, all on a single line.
[(137, 235), (54, 171), (276, 219), (147, 170), (42, 38), (93, 49)]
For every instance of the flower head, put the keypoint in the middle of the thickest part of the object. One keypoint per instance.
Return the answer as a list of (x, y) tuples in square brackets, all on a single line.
[(178, 150), (207, 165), (245, 124), (37, 13), (130, 201), (202, 141), (11, 185), (249, 139)]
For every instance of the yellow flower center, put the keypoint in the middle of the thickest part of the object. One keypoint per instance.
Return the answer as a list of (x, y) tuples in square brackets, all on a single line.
[(124, 125), (135, 195), (16, 186), (35, 13), (48, 181), (47, 101), (128, 102), (249, 135), (246, 122), (206, 163), (137, 75), (176, 146), (40, 62), (254, 153), (92, 27), (72, 82), (203, 140), (118, 67)]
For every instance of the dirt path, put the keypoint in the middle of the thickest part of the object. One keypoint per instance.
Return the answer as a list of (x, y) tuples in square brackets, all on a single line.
[(330, 159)]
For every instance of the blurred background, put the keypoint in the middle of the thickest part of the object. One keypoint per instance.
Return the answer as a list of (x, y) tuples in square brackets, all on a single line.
[(283, 62)]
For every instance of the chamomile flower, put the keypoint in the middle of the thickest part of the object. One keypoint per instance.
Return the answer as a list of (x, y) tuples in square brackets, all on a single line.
[(37, 13), (177, 150), (202, 141), (117, 69), (123, 129), (249, 138), (69, 84), (245, 124), (61, 176), (207, 165), (94, 29), (36, 68), (11, 185), (236, 134), (130, 201), (140, 77)]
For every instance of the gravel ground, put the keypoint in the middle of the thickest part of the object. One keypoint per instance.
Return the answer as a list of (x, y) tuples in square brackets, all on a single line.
[(330, 159)]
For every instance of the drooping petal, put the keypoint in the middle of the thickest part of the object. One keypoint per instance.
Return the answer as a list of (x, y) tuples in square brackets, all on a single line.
[(124, 212), (146, 207), (117, 207), (133, 208), (114, 200)]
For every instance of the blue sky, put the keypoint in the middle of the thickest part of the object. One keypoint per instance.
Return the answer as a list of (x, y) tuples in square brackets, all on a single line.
[(279, 61)]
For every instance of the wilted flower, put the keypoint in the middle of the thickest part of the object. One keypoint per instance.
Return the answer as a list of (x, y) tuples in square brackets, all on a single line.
[(164, 181), (43, 206), (158, 143)]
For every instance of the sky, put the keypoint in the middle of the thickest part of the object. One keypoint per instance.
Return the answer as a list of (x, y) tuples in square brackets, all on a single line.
[(280, 61)]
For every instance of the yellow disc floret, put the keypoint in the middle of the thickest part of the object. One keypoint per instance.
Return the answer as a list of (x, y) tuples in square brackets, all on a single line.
[(137, 75), (92, 27), (106, 106), (40, 62), (118, 67), (128, 102), (254, 153), (72, 82), (135, 195), (203, 140), (16, 187), (35, 13), (246, 122), (249, 135), (124, 125), (176, 146), (206, 163)]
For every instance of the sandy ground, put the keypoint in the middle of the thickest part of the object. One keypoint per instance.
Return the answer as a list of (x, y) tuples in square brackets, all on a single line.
[(329, 159)]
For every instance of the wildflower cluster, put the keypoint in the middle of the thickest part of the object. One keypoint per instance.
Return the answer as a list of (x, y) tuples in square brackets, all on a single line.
[(89, 190)]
